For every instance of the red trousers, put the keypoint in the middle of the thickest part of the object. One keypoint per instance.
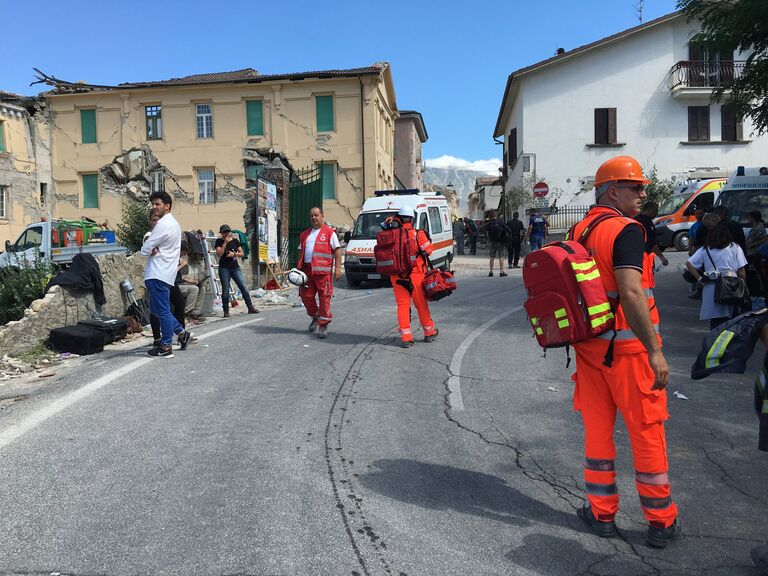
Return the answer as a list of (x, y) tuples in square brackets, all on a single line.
[(320, 286), (626, 387), (403, 297)]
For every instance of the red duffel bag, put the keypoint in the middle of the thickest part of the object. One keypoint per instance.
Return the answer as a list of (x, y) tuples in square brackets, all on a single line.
[(438, 283)]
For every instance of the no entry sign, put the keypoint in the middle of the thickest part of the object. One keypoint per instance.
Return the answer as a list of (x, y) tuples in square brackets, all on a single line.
[(540, 190)]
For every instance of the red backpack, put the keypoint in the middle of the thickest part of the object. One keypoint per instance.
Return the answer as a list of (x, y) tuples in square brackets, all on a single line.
[(566, 301), (392, 251)]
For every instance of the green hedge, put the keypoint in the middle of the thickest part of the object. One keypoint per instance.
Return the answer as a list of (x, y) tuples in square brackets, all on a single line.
[(20, 287)]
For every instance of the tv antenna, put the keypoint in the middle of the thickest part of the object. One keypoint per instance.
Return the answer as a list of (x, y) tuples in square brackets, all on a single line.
[(639, 10)]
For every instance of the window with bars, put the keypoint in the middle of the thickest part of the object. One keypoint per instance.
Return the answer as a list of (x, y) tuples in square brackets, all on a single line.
[(158, 181), (204, 121), (3, 201), (698, 123), (605, 126), (206, 186), (154, 122)]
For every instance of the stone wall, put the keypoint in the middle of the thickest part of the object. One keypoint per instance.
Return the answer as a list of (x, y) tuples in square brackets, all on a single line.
[(64, 307)]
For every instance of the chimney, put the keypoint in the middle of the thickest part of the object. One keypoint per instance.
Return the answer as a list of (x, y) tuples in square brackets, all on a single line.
[(560, 51)]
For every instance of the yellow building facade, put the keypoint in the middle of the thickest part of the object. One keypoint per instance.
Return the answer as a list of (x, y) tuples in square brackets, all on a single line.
[(199, 137), (24, 165)]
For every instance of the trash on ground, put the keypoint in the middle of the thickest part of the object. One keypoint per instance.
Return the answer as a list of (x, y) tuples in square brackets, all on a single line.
[(681, 396)]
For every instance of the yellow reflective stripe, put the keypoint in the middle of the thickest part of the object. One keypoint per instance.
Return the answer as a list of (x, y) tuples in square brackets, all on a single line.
[(560, 313), (595, 322), (590, 276), (583, 265), (534, 320), (592, 310), (539, 331), (717, 349), (563, 323)]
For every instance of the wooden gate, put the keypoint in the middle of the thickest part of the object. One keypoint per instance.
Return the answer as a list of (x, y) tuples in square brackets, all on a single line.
[(304, 193)]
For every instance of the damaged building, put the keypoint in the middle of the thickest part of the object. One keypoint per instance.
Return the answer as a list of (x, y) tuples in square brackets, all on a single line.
[(25, 168), (206, 138)]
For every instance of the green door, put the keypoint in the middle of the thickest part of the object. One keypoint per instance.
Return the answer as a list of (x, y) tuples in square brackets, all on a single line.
[(304, 193)]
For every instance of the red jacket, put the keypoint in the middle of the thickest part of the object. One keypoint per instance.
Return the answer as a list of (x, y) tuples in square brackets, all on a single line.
[(322, 257)]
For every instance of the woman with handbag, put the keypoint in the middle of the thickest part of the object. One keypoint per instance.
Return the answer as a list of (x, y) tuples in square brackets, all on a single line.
[(724, 276)]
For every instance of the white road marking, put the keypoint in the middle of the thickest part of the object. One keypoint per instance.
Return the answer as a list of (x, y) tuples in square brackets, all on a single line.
[(455, 400), (35, 419)]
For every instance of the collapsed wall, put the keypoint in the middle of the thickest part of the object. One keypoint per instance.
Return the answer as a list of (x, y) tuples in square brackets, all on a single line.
[(64, 307)]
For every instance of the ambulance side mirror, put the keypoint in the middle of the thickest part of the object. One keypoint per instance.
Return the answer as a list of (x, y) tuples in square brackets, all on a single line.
[(347, 236)]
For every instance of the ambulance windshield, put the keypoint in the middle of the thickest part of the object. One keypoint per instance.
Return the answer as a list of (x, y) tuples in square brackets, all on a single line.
[(368, 224), (673, 204), (742, 202)]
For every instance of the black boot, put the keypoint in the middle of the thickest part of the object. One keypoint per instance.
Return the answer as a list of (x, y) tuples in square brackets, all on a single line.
[(661, 537), (603, 528)]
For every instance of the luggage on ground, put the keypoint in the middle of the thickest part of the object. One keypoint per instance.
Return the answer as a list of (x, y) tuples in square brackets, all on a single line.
[(113, 329), (78, 339)]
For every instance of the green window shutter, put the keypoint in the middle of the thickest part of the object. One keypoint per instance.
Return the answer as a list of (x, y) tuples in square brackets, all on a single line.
[(90, 190), (88, 126), (324, 108), (329, 181), (255, 116), (2, 136)]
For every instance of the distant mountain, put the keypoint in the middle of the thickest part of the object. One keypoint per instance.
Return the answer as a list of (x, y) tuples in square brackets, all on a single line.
[(463, 182)]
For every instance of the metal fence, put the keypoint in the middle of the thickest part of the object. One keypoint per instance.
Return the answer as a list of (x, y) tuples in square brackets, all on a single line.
[(561, 219)]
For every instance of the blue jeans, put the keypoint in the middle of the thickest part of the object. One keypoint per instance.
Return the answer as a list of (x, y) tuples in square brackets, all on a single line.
[(225, 274), (536, 242), (160, 304)]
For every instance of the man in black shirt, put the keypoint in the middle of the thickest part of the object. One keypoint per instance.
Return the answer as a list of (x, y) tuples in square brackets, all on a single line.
[(228, 249), (647, 214), (516, 235)]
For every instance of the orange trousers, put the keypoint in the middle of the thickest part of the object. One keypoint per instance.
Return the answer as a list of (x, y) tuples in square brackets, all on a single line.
[(626, 387), (403, 297)]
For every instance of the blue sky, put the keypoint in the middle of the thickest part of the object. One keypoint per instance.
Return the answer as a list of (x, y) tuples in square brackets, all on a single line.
[(450, 59)]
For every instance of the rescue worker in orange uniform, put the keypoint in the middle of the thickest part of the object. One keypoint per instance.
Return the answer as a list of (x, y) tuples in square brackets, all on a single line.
[(624, 369), (408, 287), (320, 260)]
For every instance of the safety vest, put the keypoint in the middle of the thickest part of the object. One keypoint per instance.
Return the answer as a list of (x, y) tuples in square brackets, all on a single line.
[(417, 242), (600, 246), (322, 256)]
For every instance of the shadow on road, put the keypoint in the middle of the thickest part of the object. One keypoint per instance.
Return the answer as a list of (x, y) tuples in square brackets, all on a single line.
[(446, 488), (553, 556)]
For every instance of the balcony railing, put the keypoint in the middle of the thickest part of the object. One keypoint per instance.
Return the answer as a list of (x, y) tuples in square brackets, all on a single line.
[(703, 74)]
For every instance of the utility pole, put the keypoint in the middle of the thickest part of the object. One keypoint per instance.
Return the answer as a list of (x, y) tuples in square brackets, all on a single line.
[(639, 10)]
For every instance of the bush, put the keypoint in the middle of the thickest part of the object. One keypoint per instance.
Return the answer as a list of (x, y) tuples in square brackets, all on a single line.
[(658, 190), (20, 287), (130, 232)]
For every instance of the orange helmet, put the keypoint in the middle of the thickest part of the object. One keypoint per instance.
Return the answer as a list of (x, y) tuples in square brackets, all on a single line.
[(623, 168)]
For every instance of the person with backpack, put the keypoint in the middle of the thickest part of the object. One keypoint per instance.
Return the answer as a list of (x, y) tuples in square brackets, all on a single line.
[(414, 247), (497, 236), (471, 228), (624, 368)]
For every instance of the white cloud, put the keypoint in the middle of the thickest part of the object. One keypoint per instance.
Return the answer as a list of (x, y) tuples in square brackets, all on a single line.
[(490, 166)]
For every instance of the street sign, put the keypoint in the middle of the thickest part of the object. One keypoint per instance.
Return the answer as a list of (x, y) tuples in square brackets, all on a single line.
[(540, 202), (540, 190)]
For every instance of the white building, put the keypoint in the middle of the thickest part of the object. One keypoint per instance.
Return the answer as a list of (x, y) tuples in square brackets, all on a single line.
[(644, 92)]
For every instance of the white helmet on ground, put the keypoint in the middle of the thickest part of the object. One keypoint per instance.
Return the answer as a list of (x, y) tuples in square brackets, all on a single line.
[(297, 277), (406, 211)]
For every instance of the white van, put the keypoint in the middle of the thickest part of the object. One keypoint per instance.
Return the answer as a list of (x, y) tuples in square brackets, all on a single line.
[(432, 215), (746, 190)]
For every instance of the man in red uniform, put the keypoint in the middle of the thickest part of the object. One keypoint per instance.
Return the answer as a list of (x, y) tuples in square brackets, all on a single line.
[(624, 369), (408, 287), (320, 260)]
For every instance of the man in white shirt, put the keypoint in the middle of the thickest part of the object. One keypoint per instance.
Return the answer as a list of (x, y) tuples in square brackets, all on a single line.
[(162, 248), (320, 259)]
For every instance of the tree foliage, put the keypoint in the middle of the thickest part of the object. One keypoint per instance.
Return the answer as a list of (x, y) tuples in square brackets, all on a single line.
[(20, 287), (130, 232), (659, 190), (740, 25)]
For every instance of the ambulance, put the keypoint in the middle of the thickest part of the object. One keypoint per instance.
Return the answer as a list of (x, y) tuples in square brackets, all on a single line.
[(747, 190), (676, 215), (432, 215)]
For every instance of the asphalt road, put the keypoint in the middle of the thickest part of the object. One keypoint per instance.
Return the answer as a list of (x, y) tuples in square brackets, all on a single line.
[(262, 450)]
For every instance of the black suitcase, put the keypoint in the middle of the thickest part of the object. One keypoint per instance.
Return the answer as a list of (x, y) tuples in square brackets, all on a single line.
[(78, 339), (113, 329)]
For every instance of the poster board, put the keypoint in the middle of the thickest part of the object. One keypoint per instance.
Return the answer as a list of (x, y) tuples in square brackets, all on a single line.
[(267, 210)]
